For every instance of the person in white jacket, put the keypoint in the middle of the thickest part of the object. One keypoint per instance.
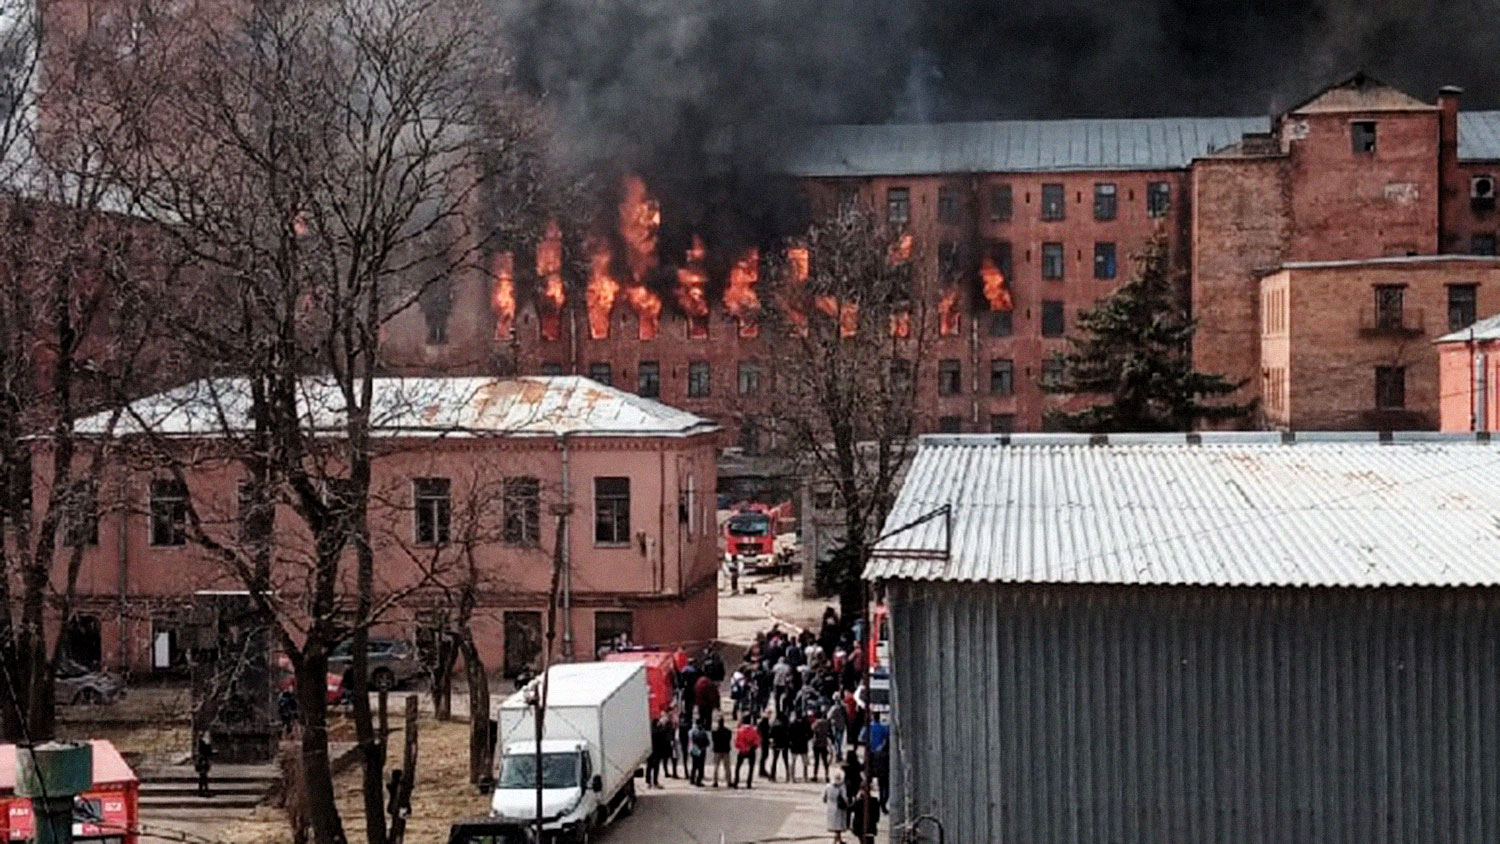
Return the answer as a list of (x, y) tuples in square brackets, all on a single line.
[(838, 808)]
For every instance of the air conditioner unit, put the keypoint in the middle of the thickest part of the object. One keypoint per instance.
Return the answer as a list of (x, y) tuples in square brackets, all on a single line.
[(1482, 187)]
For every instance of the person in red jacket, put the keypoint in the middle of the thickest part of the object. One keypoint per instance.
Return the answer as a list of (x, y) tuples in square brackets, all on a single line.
[(746, 742), (706, 697)]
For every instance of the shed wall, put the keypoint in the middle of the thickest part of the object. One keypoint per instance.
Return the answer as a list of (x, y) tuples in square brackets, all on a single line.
[(1184, 715)]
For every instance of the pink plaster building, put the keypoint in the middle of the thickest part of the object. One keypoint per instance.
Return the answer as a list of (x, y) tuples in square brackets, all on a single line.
[(1468, 375), (468, 470)]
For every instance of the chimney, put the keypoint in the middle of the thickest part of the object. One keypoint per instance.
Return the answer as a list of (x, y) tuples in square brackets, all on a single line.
[(1452, 192)]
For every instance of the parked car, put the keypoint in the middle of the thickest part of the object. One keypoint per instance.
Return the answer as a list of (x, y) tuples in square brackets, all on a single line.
[(78, 684), (391, 662)]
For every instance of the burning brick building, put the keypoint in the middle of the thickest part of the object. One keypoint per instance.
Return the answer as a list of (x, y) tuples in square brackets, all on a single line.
[(1024, 224)]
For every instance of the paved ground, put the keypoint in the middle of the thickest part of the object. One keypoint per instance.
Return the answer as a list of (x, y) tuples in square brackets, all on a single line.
[(681, 813)]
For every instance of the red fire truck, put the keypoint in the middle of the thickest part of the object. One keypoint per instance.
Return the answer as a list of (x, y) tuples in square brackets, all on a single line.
[(108, 813), (750, 536)]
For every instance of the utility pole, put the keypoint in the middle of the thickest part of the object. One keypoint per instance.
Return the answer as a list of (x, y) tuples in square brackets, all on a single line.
[(539, 692)]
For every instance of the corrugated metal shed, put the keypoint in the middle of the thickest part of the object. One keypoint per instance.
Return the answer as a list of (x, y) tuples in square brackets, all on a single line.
[(522, 406), (1021, 146), (1243, 509)]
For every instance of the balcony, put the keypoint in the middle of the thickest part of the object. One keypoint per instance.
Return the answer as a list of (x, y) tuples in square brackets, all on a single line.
[(1407, 322)]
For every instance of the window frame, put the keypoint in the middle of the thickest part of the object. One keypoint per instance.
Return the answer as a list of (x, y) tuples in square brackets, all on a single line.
[(1002, 204), (168, 526), (618, 506), (521, 509), (747, 377), (1158, 199), (699, 387), (1388, 378), (80, 527), (1107, 252), (1054, 202), (1390, 306), (1051, 308), (949, 206), (1480, 239), (1362, 142), (641, 379), (898, 198), (950, 424), (1002, 376), (950, 368), (435, 505), (1471, 292), (1053, 251), (608, 370), (1106, 201), (1005, 319), (1009, 426)]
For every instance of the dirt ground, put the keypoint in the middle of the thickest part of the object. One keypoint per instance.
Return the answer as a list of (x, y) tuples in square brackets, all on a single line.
[(442, 794)]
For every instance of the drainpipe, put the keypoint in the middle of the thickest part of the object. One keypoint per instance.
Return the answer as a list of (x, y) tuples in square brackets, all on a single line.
[(1475, 400), (123, 564), (564, 556)]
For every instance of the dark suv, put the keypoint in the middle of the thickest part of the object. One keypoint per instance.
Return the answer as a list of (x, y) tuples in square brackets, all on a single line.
[(391, 662)]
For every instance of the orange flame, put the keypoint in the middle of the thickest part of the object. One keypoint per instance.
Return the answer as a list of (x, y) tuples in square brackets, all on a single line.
[(740, 298), (828, 305), (647, 306), (503, 297), (848, 319), (995, 289), (601, 292), (640, 220), (549, 269), (948, 316), (691, 279), (901, 249), (800, 263), (901, 325)]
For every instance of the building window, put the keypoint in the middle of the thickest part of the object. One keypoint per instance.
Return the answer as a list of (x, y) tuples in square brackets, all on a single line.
[(523, 641), (437, 329), (1389, 304), (1053, 323), (900, 375), (1002, 423), (949, 259), (613, 629), (1390, 387), (950, 425), (1105, 201), (1000, 203), (749, 435), (1362, 137), (1052, 370), (950, 377), (1482, 244), (898, 206), (1104, 260), (1158, 199), (1462, 307), (434, 510), (169, 510), (522, 510), (602, 373), (749, 378), (1052, 261), (81, 517), (698, 379), (552, 370), (1002, 377), (649, 382), (947, 205), (611, 511), (1052, 202), (1001, 324)]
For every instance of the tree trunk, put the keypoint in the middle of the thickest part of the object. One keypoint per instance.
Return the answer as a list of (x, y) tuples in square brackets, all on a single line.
[(442, 676), (480, 749), (317, 770)]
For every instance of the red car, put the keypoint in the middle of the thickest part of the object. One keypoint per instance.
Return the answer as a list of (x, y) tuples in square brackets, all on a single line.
[(288, 682)]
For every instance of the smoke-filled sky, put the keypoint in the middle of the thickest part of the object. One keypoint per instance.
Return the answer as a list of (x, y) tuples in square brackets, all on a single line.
[(651, 84)]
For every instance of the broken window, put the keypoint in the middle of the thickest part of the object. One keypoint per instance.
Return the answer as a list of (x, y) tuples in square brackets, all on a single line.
[(1052, 261), (698, 379), (436, 304), (1390, 387), (1158, 199), (1462, 307), (1105, 201), (1002, 376), (649, 382), (1362, 137), (950, 377), (898, 206), (1053, 322), (1001, 324), (601, 372), (1052, 202), (948, 205), (1000, 203), (1104, 260)]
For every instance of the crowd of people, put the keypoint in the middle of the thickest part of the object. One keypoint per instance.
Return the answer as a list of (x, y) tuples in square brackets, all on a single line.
[(791, 712)]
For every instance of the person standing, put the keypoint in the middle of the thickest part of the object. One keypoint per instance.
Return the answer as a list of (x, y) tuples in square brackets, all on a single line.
[(781, 738), (684, 742), (661, 750), (763, 726), (698, 742), (706, 697), (203, 762), (854, 775), (838, 808), (822, 746), (722, 739), (746, 741), (836, 719), (864, 818), (799, 736)]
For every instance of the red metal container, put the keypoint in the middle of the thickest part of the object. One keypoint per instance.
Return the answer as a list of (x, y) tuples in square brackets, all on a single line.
[(113, 804)]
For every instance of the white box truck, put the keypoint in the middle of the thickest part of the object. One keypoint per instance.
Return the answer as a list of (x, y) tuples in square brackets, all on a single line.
[(596, 734)]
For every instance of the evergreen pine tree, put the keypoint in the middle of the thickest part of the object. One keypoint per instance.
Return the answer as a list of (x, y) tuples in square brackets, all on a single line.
[(1135, 348)]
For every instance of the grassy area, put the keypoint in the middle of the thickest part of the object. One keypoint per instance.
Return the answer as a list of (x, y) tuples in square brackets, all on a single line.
[(442, 793)]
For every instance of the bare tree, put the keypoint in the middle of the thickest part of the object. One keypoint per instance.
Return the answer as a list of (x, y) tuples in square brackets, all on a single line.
[(846, 320), (322, 162)]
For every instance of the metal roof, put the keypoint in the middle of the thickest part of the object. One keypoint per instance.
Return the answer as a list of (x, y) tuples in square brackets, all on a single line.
[(1251, 509), (1160, 143), (521, 406), (1019, 146), (1485, 329)]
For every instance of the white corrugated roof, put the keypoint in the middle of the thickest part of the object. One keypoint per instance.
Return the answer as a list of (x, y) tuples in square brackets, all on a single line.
[(1485, 329), (521, 406), (1236, 509)]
